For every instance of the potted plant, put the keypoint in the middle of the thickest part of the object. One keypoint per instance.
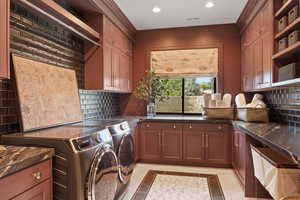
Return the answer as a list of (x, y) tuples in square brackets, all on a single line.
[(151, 88)]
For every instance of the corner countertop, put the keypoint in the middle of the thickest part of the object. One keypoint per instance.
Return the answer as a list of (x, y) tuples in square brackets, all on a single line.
[(16, 158), (280, 136)]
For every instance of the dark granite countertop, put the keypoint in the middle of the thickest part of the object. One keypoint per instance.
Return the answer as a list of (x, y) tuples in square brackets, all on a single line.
[(171, 118), (15, 158), (280, 136)]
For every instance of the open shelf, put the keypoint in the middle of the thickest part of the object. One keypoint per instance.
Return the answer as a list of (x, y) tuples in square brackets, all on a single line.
[(291, 27), (287, 52), (287, 82), (57, 14), (285, 8)]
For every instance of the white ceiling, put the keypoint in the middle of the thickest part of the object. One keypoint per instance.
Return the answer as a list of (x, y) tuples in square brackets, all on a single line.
[(174, 13)]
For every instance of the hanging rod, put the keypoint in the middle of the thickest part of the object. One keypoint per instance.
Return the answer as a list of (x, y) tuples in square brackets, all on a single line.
[(70, 28)]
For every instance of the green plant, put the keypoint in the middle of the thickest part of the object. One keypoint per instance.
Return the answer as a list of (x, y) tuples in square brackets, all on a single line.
[(151, 88)]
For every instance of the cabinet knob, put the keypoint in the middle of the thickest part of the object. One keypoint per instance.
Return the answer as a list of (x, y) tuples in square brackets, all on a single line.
[(174, 126), (147, 125), (190, 126), (220, 127), (37, 176)]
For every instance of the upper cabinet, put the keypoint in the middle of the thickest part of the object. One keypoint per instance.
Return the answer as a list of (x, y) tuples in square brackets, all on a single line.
[(257, 50), (4, 38), (109, 66)]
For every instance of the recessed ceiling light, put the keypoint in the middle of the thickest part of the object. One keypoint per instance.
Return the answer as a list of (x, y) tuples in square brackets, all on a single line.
[(209, 4), (156, 9)]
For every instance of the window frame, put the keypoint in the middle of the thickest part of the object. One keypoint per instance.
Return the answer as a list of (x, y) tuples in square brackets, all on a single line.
[(182, 98)]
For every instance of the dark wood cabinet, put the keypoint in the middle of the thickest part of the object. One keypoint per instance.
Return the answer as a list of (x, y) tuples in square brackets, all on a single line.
[(218, 147), (4, 38), (193, 146), (171, 141), (239, 154), (34, 183), (257, 50), (190, 143), (150, 144), (108, 67)]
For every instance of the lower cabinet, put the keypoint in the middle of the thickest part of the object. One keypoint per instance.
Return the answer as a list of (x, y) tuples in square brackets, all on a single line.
[(33, 183), (239, 154), (190, 143)]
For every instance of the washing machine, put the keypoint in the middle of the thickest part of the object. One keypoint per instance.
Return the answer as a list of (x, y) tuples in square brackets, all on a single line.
[(85, 166), (124, 148)]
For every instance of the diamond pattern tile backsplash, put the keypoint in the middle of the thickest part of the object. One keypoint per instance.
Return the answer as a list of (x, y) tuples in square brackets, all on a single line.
[(99, 104), (285, 105)]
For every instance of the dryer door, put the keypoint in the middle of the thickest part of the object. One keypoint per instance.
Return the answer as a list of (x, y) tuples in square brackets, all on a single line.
[(126, 155), (103, 177)]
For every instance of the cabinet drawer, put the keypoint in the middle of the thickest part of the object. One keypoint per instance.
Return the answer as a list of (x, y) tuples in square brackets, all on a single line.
[(42, 191), (24, 180), (204, 127)]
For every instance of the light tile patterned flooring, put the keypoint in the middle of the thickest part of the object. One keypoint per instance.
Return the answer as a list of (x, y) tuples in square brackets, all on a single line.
[(230, 184)]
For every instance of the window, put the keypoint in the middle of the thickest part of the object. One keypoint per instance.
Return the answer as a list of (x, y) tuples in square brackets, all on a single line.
[(185, 95)]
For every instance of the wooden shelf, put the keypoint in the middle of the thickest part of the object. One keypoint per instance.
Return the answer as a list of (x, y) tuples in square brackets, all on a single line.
[(287, 82), (288, 51), (288, 29), (57, 14), (57, 11), (285, 8)]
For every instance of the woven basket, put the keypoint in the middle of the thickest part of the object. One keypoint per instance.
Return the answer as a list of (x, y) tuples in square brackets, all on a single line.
[(253, 114), (219, 113)]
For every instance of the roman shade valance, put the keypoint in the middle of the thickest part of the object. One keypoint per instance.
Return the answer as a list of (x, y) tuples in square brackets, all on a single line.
[(185, 63)]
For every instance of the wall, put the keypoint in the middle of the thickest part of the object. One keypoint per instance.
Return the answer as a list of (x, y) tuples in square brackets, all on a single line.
[(226, 36), (40, 40)]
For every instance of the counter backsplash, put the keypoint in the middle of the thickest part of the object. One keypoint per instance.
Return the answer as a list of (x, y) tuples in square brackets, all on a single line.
[(285, 105)]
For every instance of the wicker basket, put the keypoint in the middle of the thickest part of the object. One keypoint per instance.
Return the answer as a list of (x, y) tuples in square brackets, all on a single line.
[(219, 113), (253, 114)]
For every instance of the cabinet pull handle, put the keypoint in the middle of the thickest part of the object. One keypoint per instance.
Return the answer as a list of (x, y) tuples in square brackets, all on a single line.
[(37, 176)]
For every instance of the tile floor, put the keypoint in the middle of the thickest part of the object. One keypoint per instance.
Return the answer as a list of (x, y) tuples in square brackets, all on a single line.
[(230, 184)]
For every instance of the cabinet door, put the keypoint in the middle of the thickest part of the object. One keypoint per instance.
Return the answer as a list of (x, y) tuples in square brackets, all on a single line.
[(258, 63), (247, 68), (150, 144), (171, 144), (267, 62), (4, 38), (235, 151), (42, 191), (193, 145), (116, 69), (267, 18), (125, 73), (218, 149), (242, 156), (107, 68)]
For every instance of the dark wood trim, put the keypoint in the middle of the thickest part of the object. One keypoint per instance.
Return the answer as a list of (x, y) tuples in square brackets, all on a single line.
[(186, 163), (220, 46), (4, 39), (251, 9), (214, 185)]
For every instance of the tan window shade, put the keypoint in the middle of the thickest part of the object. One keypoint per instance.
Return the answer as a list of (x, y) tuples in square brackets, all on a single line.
[(192, 62)]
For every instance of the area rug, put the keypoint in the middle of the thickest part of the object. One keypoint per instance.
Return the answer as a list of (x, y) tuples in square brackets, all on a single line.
[(164, 185)]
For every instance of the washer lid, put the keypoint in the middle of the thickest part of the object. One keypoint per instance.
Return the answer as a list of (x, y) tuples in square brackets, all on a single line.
[(103, 177)]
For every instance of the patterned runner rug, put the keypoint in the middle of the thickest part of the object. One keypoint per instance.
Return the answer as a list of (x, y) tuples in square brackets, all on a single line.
[(163, 185)]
